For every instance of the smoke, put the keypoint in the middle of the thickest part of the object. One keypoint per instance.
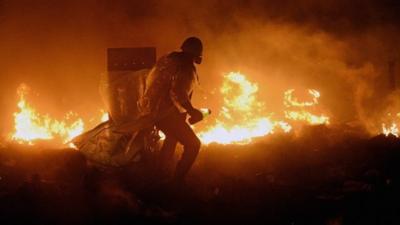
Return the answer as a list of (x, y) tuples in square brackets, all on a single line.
[(338, 47)]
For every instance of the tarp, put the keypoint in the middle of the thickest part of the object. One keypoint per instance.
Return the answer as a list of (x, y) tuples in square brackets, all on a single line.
[(127, 135), (106, 146)]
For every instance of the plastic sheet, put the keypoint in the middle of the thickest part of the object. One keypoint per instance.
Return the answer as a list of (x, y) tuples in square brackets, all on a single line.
[(111, 143)]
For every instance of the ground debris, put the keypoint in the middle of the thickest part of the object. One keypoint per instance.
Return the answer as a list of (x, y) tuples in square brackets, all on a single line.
[(280, 180)]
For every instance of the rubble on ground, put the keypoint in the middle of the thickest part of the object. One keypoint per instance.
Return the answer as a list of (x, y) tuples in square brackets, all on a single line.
[(280, 179)]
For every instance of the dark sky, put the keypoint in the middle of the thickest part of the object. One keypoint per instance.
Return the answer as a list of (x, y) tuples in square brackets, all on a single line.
[(58, 47)]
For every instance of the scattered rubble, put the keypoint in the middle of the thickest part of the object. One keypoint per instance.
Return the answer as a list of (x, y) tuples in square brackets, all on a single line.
[(280, 179)]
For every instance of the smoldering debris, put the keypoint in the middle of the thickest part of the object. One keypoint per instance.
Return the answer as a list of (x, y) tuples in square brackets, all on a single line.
[(278, 179)]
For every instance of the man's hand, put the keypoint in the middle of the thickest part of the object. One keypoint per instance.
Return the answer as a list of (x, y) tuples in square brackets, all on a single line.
[(195, 116)]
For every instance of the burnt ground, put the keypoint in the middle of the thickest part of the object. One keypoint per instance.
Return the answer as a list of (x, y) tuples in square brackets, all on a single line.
[(318, 177)]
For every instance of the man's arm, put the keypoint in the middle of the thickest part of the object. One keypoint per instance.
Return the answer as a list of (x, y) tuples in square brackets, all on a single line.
[(180, 88), (181, 85)]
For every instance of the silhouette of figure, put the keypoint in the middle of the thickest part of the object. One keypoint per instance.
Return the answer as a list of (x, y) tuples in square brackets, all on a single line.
[(167, 98)]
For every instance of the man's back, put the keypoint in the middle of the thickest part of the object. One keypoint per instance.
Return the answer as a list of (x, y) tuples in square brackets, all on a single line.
[(168, 83)]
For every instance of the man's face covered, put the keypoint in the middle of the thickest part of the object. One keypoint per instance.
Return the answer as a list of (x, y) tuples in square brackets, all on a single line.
[(194, 47), (198, 59)]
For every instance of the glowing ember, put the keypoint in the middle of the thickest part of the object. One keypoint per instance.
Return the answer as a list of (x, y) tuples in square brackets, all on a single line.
[(31, 126), (300, 113), (238, 119)]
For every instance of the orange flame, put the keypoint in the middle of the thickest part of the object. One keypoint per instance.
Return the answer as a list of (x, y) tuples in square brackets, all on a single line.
[(241, 118), (31, 126), (238, 119), (393, 128), (301, 114)]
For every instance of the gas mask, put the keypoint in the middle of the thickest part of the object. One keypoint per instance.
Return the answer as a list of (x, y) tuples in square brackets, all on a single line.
[(198, 59)]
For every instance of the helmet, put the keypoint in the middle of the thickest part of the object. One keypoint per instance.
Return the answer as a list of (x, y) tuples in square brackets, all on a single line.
[(194, 47)]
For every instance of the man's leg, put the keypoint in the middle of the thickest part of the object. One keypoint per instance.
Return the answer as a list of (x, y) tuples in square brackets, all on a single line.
[(176, 126), (166, 153)]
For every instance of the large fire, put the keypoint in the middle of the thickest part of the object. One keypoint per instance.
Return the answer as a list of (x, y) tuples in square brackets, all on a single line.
[(241, 118), (30, 126)]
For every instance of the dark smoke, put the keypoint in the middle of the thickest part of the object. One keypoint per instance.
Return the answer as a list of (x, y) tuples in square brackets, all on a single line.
[(340, 47)]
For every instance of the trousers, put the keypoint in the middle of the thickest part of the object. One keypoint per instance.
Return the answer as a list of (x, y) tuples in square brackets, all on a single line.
[(176, 130)]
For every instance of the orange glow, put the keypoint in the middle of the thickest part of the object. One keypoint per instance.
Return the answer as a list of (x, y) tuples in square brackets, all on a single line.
[(393, 127), (31, 126), (241, 118), (104, 116), (297, 111)]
